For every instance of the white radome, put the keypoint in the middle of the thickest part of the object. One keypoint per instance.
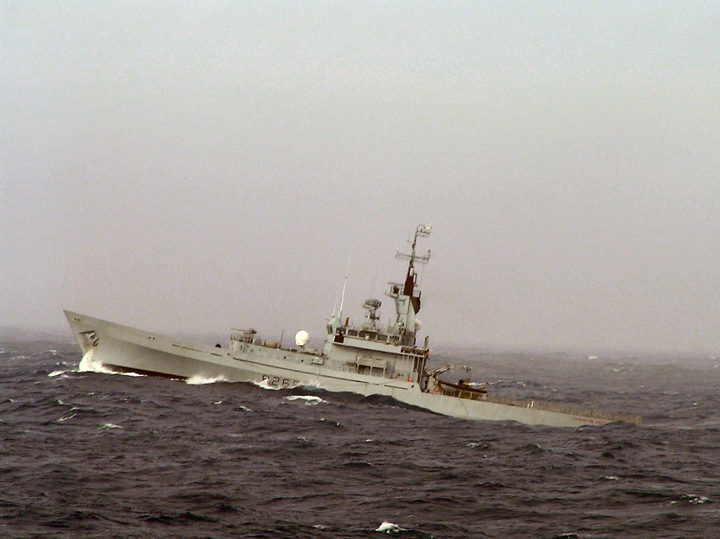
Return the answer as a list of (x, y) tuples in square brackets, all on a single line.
[(418, 325), (301, 338)]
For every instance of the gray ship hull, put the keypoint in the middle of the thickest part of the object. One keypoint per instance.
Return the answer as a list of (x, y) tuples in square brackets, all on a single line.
[(124, 349)]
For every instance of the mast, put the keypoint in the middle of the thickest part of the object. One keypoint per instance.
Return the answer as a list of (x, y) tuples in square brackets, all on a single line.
[(335, 320), (422, 231), (407, 295)]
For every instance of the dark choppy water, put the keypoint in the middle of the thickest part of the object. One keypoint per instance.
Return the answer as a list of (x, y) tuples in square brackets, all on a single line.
[(95, 455)]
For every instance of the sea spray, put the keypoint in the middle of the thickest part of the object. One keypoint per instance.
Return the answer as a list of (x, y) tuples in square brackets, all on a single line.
[(199, 380)]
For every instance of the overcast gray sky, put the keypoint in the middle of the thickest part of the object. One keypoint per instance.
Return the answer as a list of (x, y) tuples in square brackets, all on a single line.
[(196, 166)]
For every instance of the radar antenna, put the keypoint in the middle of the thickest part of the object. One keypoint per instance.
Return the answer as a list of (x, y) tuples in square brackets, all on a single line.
[(422, 231), (372, 317)]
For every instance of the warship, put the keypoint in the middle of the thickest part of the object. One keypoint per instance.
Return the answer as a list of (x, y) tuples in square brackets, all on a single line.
[(370, 358)]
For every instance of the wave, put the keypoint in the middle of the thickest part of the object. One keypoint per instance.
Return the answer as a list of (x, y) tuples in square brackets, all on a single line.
[(309, 399), (89, 363), (108, 426), (199, 380), (265, 384)]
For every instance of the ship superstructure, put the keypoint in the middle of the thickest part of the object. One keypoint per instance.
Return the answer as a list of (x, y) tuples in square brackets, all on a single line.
[(388, 351)]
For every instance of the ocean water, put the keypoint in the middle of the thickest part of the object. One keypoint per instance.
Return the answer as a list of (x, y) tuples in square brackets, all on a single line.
[(85, 454)]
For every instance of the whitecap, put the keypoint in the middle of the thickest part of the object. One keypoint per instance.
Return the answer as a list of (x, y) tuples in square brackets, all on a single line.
[(310, 400), (109, 426), (695, 499), (199, 380), (65, 418), (53, 374), (389, 527)]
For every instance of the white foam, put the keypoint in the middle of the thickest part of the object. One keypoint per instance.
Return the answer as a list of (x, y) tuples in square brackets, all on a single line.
[(695, 499), (389, 527), (265, 384), (53, 374), (86, 363), (90, 364), (199, 380), (109, 426), (309, 399)]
